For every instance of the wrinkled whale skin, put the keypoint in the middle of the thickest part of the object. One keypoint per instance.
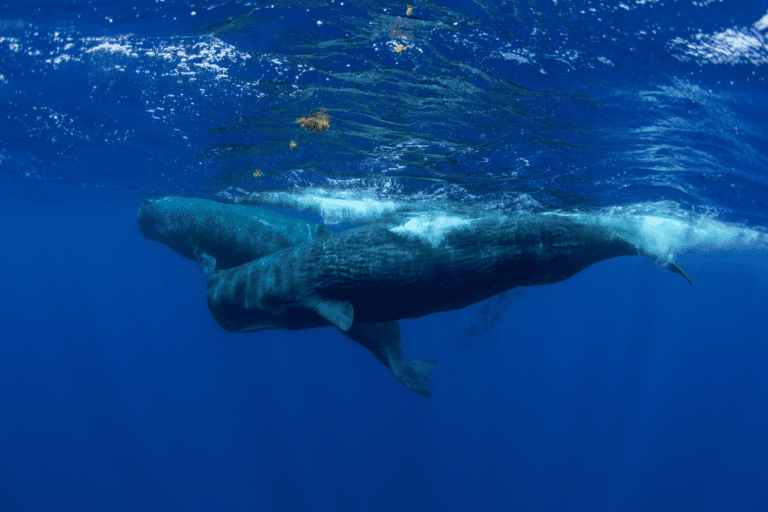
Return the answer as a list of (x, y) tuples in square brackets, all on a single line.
[(381, 273), (220, 236)]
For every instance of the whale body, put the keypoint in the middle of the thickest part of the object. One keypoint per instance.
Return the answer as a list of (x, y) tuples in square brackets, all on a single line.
[(220, 236), (382, 273)]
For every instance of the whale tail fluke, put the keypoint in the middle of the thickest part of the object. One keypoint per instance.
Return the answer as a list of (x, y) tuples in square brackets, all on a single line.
[(414, 374), (674, 267), (670, 265), (382, 339)]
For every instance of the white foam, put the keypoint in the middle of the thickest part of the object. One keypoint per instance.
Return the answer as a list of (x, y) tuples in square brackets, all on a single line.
[(185, 56), (730, 46), (333, 210), (667, 235), (762, 23), (430, 229), (515, 57), (112, 47)]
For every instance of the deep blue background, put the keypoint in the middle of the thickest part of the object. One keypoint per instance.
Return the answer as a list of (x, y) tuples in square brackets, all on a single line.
[(620, 389), (623, 388)]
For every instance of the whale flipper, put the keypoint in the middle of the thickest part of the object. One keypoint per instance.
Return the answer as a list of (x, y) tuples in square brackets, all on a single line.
[(206, 262), (339, 313), (382, 339)]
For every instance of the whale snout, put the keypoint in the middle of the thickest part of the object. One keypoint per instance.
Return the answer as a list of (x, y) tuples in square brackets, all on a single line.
[(150, 220)]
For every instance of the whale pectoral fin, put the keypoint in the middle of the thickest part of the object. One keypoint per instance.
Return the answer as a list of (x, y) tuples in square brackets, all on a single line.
[(206, 262), (339, 313)]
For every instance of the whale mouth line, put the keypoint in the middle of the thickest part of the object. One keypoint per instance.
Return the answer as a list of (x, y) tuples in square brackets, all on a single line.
[(256, 328)]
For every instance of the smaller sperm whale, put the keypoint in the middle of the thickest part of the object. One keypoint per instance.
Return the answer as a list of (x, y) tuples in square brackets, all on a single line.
[(219, 236)]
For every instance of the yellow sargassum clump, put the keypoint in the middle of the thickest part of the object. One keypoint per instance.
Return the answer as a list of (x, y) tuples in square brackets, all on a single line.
[(315, 122)]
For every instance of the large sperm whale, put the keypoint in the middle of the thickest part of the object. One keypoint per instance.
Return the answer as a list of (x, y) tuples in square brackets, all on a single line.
[(383, 273), (221, 236), (218, 235)]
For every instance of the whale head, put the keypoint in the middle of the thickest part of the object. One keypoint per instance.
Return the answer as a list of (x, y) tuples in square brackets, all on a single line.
[(151, 222), (159, 223), (156, 221)]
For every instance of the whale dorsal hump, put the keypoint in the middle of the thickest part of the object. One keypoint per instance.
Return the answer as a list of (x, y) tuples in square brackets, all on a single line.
[(339, 313)]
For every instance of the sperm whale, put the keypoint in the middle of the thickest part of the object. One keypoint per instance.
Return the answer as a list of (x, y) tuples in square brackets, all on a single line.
[(386, 272), (218, 235)]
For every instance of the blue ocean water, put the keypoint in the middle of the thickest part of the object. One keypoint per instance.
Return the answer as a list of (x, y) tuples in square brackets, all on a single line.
[(622, 388)]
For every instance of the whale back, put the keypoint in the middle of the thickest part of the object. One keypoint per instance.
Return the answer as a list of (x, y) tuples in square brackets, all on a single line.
[(415, 273)]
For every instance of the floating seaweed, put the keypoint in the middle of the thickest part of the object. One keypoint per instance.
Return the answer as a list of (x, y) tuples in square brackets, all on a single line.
[(315, 122)]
